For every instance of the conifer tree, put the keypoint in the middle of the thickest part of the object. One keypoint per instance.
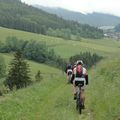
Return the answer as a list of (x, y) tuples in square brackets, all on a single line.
[(18, 75)]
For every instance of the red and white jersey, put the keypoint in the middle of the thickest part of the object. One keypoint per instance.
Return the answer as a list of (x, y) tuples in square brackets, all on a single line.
[(84, 71)]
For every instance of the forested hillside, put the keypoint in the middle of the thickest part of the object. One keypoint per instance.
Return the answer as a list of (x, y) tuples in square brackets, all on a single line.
[(17, 15), (94, 19)]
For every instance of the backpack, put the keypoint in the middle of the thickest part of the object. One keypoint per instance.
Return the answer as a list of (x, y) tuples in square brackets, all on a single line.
[(79, 70)]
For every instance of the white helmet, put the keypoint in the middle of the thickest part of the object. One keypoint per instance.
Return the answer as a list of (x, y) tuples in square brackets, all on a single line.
[(79, 62)]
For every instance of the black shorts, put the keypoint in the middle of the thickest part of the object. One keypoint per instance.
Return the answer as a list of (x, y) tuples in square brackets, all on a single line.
[(79, 81)]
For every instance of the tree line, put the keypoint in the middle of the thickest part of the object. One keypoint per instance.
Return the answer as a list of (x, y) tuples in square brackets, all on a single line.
[(17, 15), (33, 50), (88, 58)]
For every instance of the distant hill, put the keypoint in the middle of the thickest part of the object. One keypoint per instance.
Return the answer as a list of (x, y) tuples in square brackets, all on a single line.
[(17, 15), (94, 19)]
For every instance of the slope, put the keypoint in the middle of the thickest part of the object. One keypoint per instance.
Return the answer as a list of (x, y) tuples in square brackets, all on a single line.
[(34, 67), (62, 47), (52, 98), (94, 19), (49, 99), (17, 15), (104, 91)]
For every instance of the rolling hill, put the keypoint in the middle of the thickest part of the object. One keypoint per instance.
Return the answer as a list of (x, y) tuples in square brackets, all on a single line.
[(94, 19), (63, 47), (52, 98), (17, 15)]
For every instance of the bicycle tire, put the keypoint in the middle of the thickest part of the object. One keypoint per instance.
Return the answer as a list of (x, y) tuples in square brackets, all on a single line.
[(78, 104), (80, 107)]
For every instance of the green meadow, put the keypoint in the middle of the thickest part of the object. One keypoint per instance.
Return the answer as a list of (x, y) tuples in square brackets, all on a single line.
[(52, 98), (66, 48)]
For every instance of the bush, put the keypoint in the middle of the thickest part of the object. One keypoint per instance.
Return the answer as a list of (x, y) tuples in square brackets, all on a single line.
[(88, 58), (38, 76), (33, 50), (2, 67)]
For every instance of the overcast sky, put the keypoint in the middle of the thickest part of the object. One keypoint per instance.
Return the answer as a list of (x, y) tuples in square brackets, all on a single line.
[(84, 6)]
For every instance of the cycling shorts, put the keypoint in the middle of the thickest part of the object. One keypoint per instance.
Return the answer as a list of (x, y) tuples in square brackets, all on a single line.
[(81, 81)]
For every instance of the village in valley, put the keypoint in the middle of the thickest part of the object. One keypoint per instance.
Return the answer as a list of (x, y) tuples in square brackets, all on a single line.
[(111, 32)]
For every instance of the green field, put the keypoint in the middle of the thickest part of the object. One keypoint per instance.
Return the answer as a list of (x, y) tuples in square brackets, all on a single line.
[(34, 67), (52, 98), (66, 48)]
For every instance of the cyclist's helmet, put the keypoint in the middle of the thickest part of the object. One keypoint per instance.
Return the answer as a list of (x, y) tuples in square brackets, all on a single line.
[(80, 62), (69, 66)]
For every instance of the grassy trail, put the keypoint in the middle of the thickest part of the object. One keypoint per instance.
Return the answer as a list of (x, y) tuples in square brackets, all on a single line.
[(51, 99), (45, 101), (59, 105)]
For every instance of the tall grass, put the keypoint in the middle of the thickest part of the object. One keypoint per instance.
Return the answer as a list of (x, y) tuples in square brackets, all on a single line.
[(104, 90)]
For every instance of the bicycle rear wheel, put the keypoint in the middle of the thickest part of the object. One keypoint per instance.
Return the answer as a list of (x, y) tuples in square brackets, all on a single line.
[(78, 104)]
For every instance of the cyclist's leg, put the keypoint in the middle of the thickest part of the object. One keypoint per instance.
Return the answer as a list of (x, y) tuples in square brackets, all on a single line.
[(67, 77), (74, 89)]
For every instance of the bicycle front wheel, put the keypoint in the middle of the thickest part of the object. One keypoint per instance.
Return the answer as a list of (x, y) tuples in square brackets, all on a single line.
[(80, 107)]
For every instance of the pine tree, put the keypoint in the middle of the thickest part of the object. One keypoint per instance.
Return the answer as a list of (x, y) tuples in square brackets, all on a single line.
[(18, 75)]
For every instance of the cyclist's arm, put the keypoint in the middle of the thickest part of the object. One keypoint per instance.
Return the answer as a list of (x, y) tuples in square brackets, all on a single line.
[(73, 76), (86, 78)]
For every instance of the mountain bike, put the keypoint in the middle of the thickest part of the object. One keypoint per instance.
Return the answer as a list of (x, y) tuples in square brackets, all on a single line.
[(80, 82)]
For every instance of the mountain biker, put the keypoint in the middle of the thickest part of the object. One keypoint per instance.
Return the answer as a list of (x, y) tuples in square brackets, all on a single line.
[(68, 71), (76, 76)]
